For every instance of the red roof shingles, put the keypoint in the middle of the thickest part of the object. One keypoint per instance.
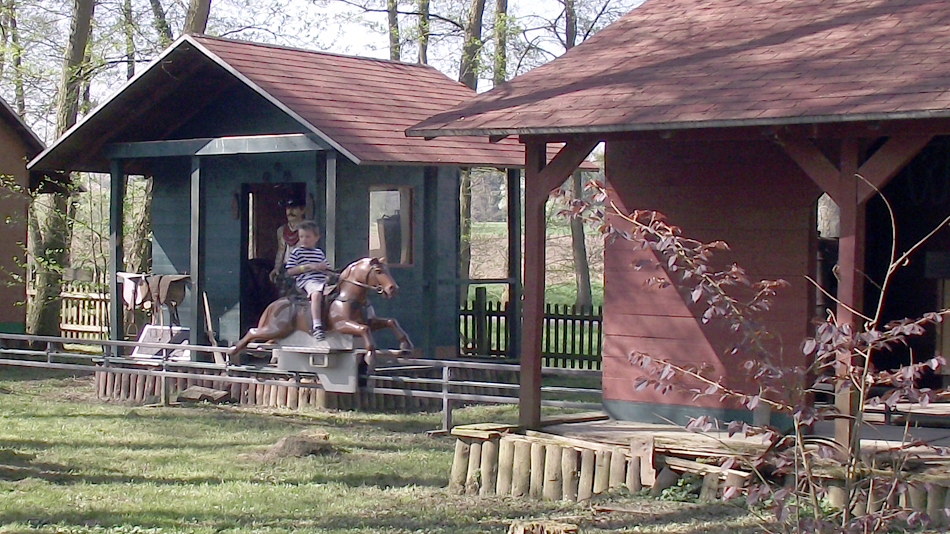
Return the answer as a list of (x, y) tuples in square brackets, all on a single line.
[(364, 105), (695, 63)]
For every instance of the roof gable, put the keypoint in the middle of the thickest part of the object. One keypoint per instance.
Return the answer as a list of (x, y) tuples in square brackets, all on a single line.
[(708, 63), (360, 107), (30, 140)]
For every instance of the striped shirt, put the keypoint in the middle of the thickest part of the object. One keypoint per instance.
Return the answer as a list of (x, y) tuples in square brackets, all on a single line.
[(303, 256)]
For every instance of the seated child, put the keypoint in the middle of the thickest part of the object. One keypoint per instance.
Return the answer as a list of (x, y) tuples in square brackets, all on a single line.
[(306, 264)]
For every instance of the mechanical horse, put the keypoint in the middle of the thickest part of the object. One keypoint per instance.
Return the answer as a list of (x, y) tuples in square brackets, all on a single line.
[(348, 311)]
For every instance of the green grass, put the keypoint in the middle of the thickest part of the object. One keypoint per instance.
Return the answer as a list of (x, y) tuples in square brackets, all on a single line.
[(72, 464)]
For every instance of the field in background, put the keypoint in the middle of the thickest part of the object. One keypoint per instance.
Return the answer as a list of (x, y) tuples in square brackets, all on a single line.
[(71, 464)]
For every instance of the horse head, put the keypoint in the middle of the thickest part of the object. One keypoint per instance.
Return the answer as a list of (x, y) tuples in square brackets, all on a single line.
[(381, 279)]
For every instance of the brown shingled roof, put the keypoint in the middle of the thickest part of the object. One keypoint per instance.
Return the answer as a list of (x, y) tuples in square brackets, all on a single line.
[(363, 104), (672, 64), (358, 106)]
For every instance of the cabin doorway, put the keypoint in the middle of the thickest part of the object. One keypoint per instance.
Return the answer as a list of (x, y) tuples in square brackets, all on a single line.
[(263, 212)]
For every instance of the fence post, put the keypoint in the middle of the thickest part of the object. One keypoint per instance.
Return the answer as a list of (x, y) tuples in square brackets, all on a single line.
[(446, 401), (481, 321)]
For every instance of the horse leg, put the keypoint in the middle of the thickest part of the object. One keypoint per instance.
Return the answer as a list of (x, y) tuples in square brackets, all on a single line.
[(378, 323), (354, 328)]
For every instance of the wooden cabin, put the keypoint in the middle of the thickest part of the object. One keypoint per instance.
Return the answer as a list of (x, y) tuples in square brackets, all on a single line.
[(227, 129), (18, 144), (732, 117)]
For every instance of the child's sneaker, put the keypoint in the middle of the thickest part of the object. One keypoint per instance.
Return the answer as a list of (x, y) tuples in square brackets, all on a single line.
[(317, 334)]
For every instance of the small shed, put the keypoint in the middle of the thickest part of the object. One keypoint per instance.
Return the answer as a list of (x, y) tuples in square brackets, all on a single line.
[(18, 144), (228, 128), (732, 117)]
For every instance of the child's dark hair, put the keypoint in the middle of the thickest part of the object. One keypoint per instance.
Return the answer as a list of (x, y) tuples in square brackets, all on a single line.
[(310, 226)]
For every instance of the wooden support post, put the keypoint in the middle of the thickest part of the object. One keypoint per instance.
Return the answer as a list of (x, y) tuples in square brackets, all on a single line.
[(116, 250), (552, 486), (935, 499), (459, 466), (850, 283), (195, 254), (514, 264), (569, 474), (585, 484), (330, 223), (664, 479), (537, 470), (533, 299), (489, 466), (710, 487)]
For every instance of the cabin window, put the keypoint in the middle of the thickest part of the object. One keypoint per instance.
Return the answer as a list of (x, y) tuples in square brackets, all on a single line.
[(390, 224)]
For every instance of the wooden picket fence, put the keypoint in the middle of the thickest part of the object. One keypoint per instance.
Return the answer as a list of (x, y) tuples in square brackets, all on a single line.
[(572, 338), (84, 312)]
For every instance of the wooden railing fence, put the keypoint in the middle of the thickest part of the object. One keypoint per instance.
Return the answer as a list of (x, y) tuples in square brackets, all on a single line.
[(572, 335)]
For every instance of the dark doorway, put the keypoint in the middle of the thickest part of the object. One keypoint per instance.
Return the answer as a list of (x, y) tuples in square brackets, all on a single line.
[(262, 215)]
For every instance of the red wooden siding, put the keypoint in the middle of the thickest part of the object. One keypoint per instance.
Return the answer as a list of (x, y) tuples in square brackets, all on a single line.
[(746, 193), (13, 154)]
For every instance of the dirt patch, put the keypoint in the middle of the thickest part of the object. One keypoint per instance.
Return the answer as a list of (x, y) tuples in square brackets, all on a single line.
[(315, 442)]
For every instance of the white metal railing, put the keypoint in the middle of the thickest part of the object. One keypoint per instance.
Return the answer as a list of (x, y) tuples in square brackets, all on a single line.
[(389, 378)]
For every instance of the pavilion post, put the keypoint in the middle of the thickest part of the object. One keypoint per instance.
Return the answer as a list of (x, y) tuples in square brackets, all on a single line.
[(514, 262), (116, 250), (851, 282), (330, 225), (536, 194), (194, 314)]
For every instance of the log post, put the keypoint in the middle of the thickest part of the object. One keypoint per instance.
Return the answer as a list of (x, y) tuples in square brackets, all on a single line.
[(537, 470), (710, 487), (552, 486), (459, 466), (633, 475), (489, 466), (569, 473), (585, 484), (521, 472), (601, 471), (472, 481), (618, 469), (664, 479), (506, 458)]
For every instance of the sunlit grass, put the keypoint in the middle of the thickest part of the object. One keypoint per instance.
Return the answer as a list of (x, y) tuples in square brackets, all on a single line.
[(72, 464)]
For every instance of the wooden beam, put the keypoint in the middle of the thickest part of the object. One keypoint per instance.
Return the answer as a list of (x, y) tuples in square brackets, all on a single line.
[(330, 223), (514, 262), (813, 162), (195, 255), (536, 194), (851, 279), (565, 163), (888, 161), (116, 250)]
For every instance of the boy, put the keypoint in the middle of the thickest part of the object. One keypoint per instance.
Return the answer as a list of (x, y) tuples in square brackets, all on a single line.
[(306, 264)]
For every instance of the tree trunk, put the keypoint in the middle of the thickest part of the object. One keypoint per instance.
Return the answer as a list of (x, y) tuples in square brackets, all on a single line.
[(395, 45), (578, 243), (500, 65), (161, 24), (579, 248), (465, 230), (129, 28), (423, 28), (19, 100), (51, 224), (5, 15), (196, 20), (468, 68)]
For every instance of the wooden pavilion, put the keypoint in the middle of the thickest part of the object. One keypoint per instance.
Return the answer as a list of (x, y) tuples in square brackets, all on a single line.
[(18, 144), (731, 117), (228, 128)]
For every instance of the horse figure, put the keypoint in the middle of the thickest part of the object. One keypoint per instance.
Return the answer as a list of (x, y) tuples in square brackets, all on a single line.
[(348, 312)]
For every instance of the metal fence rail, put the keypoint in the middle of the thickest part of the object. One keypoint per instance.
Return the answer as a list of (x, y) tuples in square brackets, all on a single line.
[(452, 383)]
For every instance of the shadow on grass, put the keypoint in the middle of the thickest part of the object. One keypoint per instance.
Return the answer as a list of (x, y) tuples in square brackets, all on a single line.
[(494, 516)]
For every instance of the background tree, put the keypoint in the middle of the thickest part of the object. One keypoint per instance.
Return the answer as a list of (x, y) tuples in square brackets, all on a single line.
[(196, 21)]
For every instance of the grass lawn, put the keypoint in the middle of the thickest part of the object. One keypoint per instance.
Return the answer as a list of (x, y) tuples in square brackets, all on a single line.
[(72, 464)]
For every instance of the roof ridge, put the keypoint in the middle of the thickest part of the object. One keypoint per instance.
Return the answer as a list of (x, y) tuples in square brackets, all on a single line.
[(205, 37)]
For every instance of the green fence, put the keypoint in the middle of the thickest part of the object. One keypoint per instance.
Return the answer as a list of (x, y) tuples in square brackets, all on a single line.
[(572, 335)]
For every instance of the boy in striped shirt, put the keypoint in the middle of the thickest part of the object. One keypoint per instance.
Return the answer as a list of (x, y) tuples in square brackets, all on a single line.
[(307, 264)]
